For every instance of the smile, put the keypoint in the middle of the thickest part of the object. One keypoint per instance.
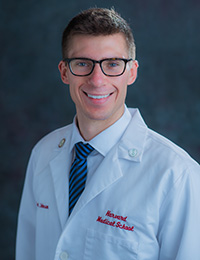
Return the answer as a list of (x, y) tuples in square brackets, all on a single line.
[(98, 97)]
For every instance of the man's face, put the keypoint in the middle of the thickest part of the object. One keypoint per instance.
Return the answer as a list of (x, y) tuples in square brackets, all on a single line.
[(98, 97)]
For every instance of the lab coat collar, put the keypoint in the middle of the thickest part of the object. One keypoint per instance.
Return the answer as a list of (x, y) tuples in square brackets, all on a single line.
[(131, 146)]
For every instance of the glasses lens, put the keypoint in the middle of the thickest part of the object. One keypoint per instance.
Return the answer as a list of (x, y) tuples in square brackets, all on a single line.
[(81, 67), (113, 67)]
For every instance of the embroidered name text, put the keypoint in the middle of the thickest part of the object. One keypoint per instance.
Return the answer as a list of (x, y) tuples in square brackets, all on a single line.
[(115, 224), (40, 205), (112, 215)]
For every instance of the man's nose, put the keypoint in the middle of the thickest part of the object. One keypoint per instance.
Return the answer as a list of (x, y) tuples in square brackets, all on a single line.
[(97, 77)]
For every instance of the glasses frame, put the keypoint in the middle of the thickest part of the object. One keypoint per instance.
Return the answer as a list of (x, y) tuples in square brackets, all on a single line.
[(68, 60)]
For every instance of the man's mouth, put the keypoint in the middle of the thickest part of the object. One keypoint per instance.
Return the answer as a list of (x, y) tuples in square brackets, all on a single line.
[(98, 96)]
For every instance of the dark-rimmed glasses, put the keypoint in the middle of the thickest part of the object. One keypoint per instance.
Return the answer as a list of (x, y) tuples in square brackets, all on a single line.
[(111, 67)]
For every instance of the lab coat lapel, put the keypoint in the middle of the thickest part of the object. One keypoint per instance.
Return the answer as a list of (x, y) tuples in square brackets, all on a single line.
[(59, 172)]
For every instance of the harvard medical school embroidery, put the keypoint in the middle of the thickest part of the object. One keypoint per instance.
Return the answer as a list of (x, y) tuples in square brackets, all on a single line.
[(116, 224)]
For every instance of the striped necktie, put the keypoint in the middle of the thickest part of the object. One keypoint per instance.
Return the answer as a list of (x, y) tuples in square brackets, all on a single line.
[(78, 173)]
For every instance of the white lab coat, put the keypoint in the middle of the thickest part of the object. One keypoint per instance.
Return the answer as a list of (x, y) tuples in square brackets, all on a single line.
[(142, 202)]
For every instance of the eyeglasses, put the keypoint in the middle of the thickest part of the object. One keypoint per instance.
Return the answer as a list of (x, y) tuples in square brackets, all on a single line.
[(110, 67)]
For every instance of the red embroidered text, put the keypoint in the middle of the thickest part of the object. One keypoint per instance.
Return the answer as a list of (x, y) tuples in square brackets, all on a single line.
[(106, 221), (40, 205), (114, 223), (119, 225), (112, 215)]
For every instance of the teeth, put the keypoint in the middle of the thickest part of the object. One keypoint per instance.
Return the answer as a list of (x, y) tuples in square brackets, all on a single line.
[(98, 97)]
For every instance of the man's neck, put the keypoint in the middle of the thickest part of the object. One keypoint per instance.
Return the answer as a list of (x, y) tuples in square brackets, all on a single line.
[(91, 128)]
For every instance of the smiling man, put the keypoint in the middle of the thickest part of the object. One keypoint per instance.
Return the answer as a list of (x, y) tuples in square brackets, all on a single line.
[(106, 186)]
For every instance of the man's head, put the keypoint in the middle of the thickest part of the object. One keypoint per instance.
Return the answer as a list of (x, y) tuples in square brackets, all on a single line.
[(98, 64), (97, 22)]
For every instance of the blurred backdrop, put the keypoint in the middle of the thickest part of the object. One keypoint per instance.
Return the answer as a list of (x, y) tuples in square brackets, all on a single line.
[(34, 101)]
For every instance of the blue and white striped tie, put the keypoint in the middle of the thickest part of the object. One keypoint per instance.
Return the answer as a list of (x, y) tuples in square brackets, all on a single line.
[(78, 173)]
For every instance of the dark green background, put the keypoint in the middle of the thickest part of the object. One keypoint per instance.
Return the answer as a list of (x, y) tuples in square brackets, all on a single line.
[(33, 100)]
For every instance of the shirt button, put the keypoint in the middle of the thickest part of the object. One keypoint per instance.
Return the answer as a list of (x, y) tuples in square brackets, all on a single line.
[(64, 256), (132, 152)]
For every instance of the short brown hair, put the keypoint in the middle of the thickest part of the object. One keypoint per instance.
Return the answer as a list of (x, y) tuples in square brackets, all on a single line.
[(96, 22)]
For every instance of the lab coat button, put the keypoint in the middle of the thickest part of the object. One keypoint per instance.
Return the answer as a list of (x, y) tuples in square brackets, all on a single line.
[(132, 152), (64, 256)]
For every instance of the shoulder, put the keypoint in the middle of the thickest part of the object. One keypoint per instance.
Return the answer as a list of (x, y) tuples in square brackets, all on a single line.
[(162, 146), (163, 143), (169, 165), (169, 162), (158, 151)]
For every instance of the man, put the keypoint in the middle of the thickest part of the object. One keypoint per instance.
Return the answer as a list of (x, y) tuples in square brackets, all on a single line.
[(134, 194)]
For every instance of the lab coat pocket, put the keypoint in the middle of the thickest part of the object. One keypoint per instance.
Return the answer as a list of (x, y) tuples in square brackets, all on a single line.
[(100, 246)]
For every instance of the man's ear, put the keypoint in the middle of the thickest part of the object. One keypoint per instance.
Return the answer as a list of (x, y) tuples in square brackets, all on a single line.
[(63, 72), (133, 72)]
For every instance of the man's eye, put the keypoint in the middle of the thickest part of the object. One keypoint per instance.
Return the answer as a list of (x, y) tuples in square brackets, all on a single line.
[(81, 64), (113, 64)]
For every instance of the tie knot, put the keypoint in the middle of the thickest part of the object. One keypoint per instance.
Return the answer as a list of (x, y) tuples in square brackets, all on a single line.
[(83, 150)]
